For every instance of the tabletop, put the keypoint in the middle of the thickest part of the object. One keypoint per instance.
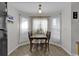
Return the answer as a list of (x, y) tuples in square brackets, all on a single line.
[(39, 36)]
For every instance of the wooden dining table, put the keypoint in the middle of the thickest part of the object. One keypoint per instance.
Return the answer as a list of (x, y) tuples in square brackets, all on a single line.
[(37, 37)]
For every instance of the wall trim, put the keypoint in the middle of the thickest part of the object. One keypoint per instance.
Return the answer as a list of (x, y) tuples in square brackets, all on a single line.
[(12, 50), (66, 50), (21, 44), (62, 48)]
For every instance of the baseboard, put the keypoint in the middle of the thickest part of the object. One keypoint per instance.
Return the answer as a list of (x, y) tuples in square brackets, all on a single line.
[(55, 44), (21, 44), (12, 50), (61, 47), (66, 50)]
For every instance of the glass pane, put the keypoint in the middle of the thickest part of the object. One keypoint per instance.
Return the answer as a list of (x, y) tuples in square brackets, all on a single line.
[(23, 29), (55, 32), (24, 24)]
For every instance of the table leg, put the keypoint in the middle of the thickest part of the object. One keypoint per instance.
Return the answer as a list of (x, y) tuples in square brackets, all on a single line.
[(45, 44), (31, 45)]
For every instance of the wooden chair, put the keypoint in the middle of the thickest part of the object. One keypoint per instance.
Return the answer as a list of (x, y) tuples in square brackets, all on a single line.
[(45, 43), (29, 35), (32, 42), (48, 34)]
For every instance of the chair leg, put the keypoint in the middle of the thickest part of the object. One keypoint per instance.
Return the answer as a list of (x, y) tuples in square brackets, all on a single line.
[(48, 46), (45, 46), (37, 46), (31, 47)]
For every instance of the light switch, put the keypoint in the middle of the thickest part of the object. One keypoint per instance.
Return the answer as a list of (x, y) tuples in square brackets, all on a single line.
[(75, 15)]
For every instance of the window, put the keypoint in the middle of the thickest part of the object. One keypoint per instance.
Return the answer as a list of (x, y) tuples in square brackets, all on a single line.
[(55, 28), (40, 23), (24, 26), (54, 22)]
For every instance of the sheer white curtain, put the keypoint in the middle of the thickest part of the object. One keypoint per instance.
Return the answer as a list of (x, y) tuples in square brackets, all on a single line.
[(24, 24), (44, 24), (40, 23), (36, 24)]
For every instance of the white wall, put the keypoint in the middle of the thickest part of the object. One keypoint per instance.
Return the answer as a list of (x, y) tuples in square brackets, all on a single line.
[(13, 29), (66, 27), (75, 28)]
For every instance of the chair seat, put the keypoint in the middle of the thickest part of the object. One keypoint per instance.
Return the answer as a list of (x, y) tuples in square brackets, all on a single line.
[(43, 41), (35, 41)]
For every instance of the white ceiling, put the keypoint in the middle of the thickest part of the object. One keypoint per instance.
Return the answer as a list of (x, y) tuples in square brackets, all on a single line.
[(31, 8)]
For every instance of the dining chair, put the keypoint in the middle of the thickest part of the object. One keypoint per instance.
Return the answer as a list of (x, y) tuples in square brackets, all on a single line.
[(33, 43), (45, 43), (29, 36), (48, 34)]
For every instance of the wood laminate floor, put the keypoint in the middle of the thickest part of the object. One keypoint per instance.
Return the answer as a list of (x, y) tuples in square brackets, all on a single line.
[(53, 51)]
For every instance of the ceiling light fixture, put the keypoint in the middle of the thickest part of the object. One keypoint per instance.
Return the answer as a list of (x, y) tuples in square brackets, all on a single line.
[(40, 11)]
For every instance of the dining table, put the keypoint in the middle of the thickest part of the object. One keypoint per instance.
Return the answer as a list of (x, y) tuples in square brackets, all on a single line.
[(37, 37)]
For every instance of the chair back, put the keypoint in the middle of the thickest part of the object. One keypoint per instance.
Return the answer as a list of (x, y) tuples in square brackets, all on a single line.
[(48, 34), (29, 34)]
